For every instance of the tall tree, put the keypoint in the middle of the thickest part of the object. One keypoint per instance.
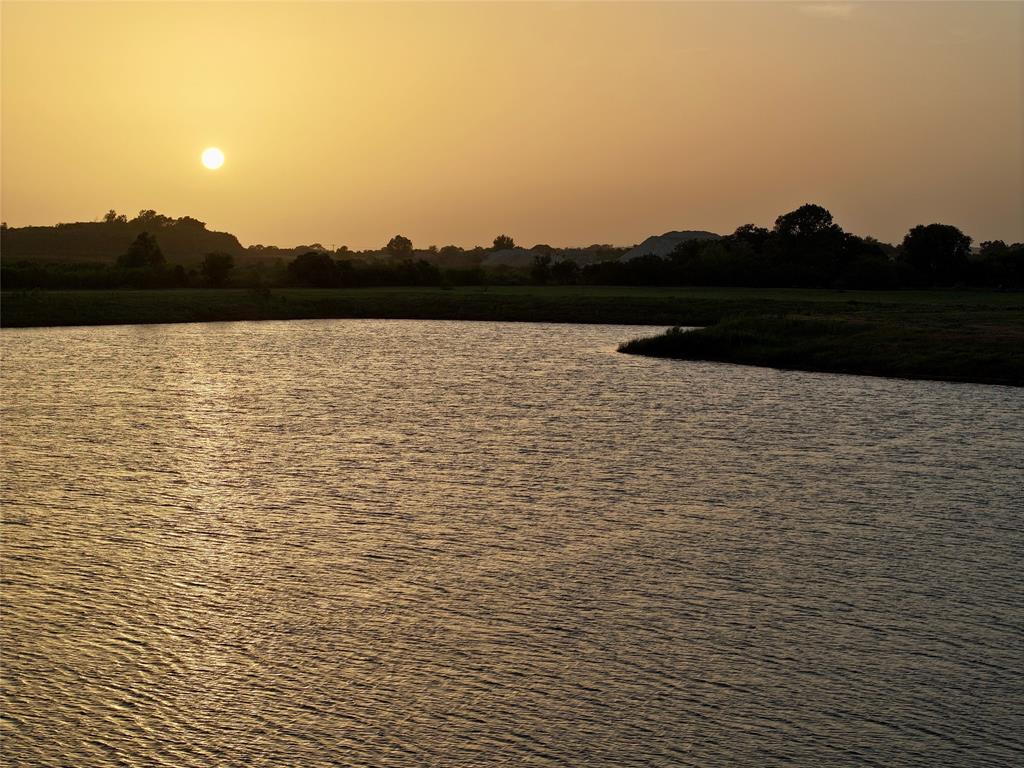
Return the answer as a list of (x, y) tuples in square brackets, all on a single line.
[(314, 268), (808, 219), (937, 251), (143, 252), (216, 267), (400, 247)]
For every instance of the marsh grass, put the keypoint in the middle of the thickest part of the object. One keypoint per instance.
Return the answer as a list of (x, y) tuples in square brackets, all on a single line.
[(570, 304), (985, 347)]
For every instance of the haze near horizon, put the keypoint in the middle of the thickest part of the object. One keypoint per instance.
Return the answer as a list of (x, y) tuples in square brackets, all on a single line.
[(554, 122)]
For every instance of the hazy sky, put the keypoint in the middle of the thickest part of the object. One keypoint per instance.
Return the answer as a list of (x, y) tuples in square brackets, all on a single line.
[(564, 123)]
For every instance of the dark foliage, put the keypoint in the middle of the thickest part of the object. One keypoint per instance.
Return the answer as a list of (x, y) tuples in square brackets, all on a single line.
[(915, 342), (565, 272), (806, 221), (400, 247), (144, 252), (540, 271), (503, 242), (805, 248), (184, 238), (1000, 265), (216, 267), (316, 269), (937, 252)]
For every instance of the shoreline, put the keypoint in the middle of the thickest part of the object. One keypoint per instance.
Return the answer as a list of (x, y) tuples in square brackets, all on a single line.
[(970, 336), (895, 349)]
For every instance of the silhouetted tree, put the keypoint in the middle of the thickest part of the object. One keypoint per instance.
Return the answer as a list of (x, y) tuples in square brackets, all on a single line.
[(313, 268), (541, 269), (808, 219), (151, 218), (937, 251), (112, 217), (400, 247), (143, 252), (993, 249), (806, 248), (1000, 264), (216, 267), (565, 272), (752, 235)]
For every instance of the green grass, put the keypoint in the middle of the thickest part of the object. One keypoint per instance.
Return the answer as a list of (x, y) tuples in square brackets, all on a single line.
[(576, 304), (954, 335)]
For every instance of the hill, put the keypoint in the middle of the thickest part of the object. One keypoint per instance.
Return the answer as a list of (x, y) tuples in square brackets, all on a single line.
[(663, 245), (181, 240)]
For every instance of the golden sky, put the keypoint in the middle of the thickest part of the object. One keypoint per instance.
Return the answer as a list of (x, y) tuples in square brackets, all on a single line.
[(564, 123)]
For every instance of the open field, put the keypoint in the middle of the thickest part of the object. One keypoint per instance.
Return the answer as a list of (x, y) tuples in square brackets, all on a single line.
[(954, 335), (571, 304)]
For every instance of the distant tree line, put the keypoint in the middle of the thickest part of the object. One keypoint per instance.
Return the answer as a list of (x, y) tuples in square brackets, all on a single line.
[(804, 248)]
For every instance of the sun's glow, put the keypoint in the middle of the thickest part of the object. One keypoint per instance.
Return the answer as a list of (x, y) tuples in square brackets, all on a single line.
[(213, 158)]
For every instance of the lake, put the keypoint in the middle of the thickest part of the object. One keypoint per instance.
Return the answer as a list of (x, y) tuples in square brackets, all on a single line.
[(395, 543)]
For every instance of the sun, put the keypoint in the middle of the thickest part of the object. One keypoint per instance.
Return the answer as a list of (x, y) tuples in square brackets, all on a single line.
[(213, 158)]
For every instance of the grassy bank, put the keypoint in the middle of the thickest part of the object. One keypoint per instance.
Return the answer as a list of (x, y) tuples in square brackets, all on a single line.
[(961, 336), (538, 304), (576, 304), (958, 344)]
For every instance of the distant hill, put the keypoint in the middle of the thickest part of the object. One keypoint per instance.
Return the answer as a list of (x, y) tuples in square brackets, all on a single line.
[(663, 245), (186, 240), (181, 240), (510, 257)]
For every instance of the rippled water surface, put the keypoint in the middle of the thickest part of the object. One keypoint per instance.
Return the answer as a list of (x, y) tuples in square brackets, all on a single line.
[(388, 543)]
